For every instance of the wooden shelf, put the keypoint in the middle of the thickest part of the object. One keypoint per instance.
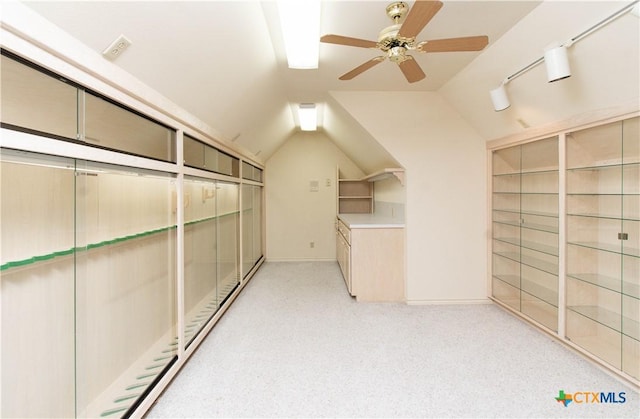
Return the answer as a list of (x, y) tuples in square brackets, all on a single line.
[(386, 174)]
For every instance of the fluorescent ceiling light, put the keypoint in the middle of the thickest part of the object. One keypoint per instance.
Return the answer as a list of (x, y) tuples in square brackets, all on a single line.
[(300, 23), (308, 116)]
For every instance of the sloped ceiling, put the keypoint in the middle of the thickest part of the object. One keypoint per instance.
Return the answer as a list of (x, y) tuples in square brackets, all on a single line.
[(605, 69), (223, 61)]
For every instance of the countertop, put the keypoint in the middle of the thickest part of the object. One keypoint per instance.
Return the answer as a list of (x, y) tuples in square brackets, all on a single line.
[(370, 221)]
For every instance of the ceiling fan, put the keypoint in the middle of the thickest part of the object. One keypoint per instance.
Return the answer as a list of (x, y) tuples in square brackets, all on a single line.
[(396, 40)]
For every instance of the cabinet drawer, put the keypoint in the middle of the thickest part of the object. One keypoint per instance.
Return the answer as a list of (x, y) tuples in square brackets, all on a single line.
[(344, 230)]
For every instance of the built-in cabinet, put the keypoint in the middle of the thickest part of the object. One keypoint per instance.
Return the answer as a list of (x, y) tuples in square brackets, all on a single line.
[(603, 242), (371, 258), (116, 258), (565, 243), (525, 229)]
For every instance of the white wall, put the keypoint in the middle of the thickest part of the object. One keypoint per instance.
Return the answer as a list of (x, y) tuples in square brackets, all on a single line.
[(445, 191), (605, 69), (294, 215)]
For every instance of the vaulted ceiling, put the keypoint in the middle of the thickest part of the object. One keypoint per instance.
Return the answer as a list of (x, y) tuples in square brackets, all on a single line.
[(224, 62)]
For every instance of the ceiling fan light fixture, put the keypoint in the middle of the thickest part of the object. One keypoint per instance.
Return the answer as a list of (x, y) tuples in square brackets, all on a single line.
[(397, 54), (300, 24), (308, 116), (499, 98)]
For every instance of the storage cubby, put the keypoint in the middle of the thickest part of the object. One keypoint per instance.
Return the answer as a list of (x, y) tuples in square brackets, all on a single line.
[(355, 196)]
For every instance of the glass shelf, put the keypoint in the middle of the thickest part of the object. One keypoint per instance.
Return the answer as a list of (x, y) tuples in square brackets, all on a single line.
[(610, 319), (538, 247), (548, 295), (530, 226), (509, 255), (513, 280), (543, 265), (603, 281), (608, 248)]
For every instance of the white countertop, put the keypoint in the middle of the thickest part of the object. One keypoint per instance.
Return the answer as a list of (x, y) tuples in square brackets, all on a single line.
[(370, 221)]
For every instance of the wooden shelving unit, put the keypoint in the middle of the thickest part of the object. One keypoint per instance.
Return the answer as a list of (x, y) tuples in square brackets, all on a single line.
[(355, 196)]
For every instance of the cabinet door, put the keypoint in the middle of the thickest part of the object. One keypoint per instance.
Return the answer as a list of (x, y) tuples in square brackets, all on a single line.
[(525, 229), (603, 236)]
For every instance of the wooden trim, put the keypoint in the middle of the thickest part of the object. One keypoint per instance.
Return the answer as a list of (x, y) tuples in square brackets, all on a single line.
[(582, 121)]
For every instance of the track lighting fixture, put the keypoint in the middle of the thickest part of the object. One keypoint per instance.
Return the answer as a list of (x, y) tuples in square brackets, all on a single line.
[(557, 63), (556, 59), (499, 98)]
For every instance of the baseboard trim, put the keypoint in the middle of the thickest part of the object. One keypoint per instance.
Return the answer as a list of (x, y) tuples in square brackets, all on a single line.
[(447, 302), (301, 260)]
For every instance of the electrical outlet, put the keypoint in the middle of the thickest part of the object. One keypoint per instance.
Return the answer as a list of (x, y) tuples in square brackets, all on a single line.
[(328, 182)]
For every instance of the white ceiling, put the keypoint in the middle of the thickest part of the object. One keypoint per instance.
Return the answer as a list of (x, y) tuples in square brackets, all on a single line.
[(223, 61)]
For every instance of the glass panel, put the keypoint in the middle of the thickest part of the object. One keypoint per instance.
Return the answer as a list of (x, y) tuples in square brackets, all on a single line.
[(111, 126), (506, 202), (540, 311), (125, 285), (631, 276), (193, 152), (603, 180), (37, 101), (506, 161), (597, 146), (631, 140), (506, 293), (251, 226), (540, 182), (228, 225), (540, 155), (506, 183), (247, 228), (540, 284), (541, 204), (605, 206), (247, 171), (211, 160), (631, 356), (597, 267), (596, 303), (600, 340), (598, 233), (631, 238), (36, 285), (257, 223), (200, 254), (507, 268)]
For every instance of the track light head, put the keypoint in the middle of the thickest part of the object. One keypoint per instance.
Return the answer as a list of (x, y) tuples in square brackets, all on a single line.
[(499, 98), (557, 63)]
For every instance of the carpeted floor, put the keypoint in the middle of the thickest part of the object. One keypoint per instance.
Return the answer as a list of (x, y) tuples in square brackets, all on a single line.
[(294, 344)]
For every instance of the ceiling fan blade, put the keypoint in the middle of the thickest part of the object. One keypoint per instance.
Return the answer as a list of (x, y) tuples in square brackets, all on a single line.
[(411, 70), (351, 42), (467, 43), (362, 68), (419, 15)]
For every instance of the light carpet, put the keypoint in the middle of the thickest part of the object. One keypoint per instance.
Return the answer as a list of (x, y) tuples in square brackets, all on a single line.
[(295, 344)]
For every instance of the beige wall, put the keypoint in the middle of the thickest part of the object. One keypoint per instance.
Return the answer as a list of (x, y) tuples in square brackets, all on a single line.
[(445, 191), (296, 216)]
